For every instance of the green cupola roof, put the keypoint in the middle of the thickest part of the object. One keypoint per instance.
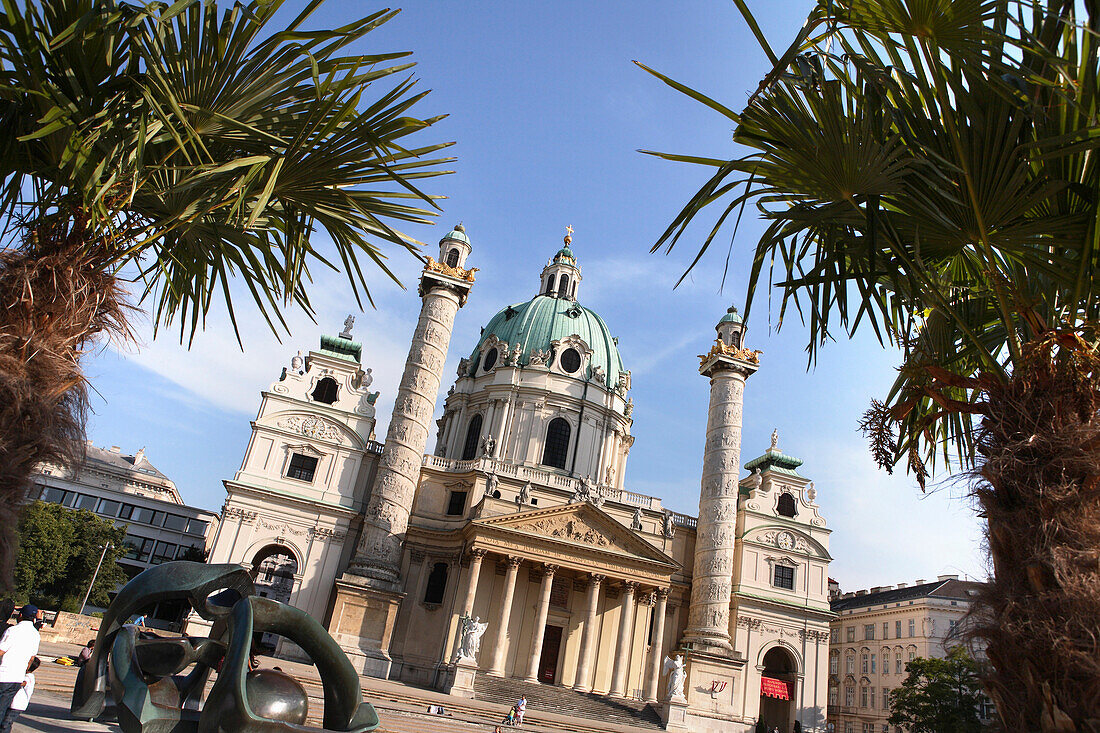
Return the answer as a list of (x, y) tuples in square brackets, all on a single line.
[(776, 460), (458, 233), (545, 319), (564, 253), (732, 316)]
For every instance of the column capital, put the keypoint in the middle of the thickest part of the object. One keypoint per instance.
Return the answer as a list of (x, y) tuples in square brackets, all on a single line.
[(417, 555), (662, 593), (547, 569), (476, 554), (595, 579), (513, 561), (628, 586)]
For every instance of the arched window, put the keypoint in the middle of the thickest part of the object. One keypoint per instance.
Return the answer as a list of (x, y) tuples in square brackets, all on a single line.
[(550, 285), (563, 287), (452, 257), (557, 443), (325, 391), (437, 583), (473, 433), (786, 506)]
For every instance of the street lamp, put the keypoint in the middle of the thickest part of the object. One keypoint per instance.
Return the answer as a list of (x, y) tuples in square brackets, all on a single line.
[(97, 567)]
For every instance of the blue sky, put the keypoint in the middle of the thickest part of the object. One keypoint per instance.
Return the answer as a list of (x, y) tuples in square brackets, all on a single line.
[(548, 112)]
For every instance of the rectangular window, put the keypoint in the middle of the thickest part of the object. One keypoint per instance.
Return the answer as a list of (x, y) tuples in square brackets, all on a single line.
[(849, 696), (52, 495), (898, 662), (851, 632), (834, 635), (138, 548), (912, 656), (196, 527), (165, 551), (158, 519), (302, 467), (886, 661), (873, 664), (872, 699), (108, 508), (850, 666), (863, 697), (885, 629), (885, 728), (865, 664), (834, 665), (457, 505), (951, 626), (848, 728), (84, 501), (834, 696), (784, 577), (897, 629), (176, 522), (868, 631), (912, 628), (885, 700)]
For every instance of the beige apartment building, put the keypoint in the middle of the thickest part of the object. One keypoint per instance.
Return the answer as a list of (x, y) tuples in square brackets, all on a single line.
[(876, 632)]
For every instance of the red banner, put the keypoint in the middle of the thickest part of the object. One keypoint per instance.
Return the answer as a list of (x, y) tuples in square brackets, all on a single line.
[(779, 689)]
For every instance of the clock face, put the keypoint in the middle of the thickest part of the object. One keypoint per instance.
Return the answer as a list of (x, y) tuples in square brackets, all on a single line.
[(785, 541)]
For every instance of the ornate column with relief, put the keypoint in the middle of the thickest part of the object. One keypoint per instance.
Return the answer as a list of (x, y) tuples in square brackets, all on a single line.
[(622, 647), (369, 592), (540, 622), (496, 666), (588, 635)]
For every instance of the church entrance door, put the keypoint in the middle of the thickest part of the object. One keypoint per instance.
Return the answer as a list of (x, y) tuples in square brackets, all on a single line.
[(548, 661), (777, 690)]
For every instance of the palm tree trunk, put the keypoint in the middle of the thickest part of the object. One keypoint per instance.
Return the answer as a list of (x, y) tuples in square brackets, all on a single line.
[(56, 299), (1039, 489)]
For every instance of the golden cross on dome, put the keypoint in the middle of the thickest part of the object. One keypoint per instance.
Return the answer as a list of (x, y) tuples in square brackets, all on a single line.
[(569, 230)]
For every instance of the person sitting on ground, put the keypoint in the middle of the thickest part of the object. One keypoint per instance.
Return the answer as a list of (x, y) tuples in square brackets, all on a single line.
[(22, 697), (85, 653)]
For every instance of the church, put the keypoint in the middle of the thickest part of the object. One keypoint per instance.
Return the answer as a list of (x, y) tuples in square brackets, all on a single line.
[(514, 550)]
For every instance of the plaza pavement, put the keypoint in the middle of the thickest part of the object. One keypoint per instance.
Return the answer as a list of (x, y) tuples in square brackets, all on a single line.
[(400, 707)]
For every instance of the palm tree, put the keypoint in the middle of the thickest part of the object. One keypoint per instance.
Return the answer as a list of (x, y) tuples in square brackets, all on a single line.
[(178, 147), (927, 169)]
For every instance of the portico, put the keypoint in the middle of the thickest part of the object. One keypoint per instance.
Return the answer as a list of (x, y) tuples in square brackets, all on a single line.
[(572, 597)]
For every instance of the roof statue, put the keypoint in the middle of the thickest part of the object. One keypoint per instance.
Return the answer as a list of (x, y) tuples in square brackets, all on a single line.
[(348, 323)]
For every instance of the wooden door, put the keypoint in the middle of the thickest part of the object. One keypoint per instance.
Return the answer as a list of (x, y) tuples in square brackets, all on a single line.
[(548, 661)]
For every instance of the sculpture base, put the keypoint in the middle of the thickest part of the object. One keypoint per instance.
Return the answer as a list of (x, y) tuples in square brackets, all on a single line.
[(362, 624), (712, 679), (460, 676), (674, 713)]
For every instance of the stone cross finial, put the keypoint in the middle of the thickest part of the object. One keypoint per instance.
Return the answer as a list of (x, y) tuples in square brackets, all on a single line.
[(348, 323)]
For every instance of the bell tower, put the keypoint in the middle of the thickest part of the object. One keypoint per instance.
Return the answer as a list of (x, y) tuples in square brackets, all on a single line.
[(561, 275)]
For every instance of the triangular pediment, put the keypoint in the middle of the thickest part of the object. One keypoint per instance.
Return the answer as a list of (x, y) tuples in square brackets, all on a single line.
[(583, 526)]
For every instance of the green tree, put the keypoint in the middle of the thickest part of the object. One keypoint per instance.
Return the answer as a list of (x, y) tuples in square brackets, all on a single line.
[(928, 169), (58, 552), (180, 146), (939, 695)]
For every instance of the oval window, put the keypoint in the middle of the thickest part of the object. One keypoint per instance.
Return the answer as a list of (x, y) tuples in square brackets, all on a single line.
[(570, 361), (490, 359)]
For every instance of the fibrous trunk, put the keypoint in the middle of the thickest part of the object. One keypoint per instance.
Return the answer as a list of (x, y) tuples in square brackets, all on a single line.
[(1039, 489), (55, 299)]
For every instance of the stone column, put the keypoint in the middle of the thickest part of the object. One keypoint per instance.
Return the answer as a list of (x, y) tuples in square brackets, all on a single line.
[(712, 574), (476, 556), (654, 674), (378, 556), (496, 666), (540, 622), (583, 682), (622, 648)]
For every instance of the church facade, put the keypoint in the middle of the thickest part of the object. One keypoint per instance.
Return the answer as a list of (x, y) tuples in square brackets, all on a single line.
[(515, 549)]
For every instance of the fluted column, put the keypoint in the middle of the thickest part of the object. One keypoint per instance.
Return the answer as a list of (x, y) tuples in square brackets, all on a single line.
[(583, 682), (654, 673), (386, 517), (540, 622), (712, 575), (622, 648), (496, 666)]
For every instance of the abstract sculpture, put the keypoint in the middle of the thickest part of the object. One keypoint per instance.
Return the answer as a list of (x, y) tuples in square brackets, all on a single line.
[(155, 693)]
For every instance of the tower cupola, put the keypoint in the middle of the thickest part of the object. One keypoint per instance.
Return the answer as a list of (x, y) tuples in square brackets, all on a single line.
[(561, 275), (731, 328), (454, 248)]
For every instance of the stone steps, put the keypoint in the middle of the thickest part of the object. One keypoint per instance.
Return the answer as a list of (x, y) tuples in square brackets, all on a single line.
[(564, 701)]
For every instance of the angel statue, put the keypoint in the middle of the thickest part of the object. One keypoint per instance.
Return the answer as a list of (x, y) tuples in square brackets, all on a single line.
[(470, 644), (676, 676)]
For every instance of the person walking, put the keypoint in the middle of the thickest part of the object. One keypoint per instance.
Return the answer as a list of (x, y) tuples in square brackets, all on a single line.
[(521, 708), (18, 645), (22, 697)]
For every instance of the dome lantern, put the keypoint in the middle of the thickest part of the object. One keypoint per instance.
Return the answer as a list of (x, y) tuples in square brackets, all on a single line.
[(731, 328), (454, 248), (561, 274)]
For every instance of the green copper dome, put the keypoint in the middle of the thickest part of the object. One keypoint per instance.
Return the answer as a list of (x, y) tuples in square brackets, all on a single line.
[(565, 252), (538, 322), (458, 233), (732, 316)]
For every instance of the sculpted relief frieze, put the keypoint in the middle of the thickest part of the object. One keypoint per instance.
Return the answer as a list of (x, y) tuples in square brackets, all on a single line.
[(311, 426), (568, 528)]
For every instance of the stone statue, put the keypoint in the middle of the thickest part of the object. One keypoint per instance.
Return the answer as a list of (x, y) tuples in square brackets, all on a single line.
[(491, 483), (623, 384), (297, 364), (488, 446), (628, 410), (609, 475), (368, 378), (463, 366), (669, 526), (676, 676), (348, 323), (516, 353), (754, 480), (636, 522), (524, 495), (538, 357), (598, 374), (811, 492), (586, 491), (470, 643), (775, 440)]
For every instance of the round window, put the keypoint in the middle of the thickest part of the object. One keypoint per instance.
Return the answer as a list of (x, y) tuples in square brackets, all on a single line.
[(570, 361), (490, 359)]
